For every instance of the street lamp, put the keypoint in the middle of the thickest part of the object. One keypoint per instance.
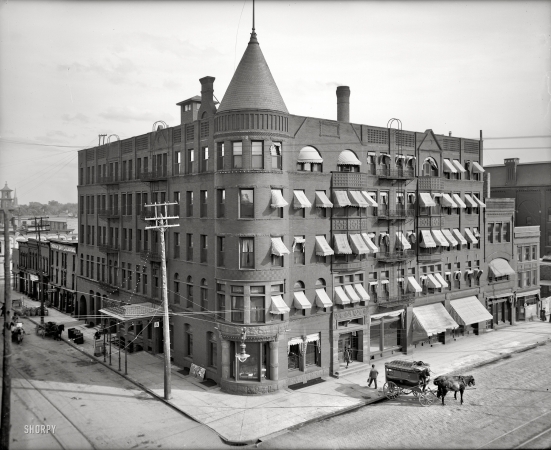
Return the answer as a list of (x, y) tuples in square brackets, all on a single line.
[(242, 355)]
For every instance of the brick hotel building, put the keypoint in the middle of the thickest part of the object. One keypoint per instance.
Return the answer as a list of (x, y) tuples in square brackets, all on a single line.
[(314, 235)]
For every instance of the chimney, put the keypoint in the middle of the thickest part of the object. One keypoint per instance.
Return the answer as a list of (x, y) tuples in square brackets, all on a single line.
[(511, 169), (207, 97), (449, 133), (343, 103), (487, 185)]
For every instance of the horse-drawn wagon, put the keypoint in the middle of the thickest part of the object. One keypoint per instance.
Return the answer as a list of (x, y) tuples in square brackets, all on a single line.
[(49, 329), (408, 377), (17, 332)]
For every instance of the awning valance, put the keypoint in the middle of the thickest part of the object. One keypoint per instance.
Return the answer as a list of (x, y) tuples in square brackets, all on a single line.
[(469, 310), (322, 299), (458, 165), (470, 236), (277, 199), (477, 168), (433, 319), (300, 301), (401, 241), (369, 198), (348, 158), (309, 155), (341, 244), (359, 247), (322, 201), (459, 236), (426, 200), (362, 292), (352, 294), (370, 243), (426, 239), (357, 199), (340, 297), (440, 239), (413, 286), (278, 305), (322, 247), (448, 201), (278, 247), (441, 280), (457, 199), (449, 167), (499, 267), (480, 202), (300, 200), (340, 199), (449, 237)]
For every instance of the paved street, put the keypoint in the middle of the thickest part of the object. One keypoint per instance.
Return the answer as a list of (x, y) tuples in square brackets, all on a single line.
[(91, 406), (508, 394)]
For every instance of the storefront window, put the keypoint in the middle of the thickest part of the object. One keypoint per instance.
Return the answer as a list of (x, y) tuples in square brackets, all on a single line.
[(250, 369), (392, 334), (375, 337), (313, 354), (293, 357)]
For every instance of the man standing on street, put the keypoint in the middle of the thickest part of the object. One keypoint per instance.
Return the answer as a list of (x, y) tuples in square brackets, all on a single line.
[(373, 373)]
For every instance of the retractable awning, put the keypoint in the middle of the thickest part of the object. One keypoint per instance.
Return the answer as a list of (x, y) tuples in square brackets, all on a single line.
[(448, 202), (300, 301), (413, 286), (322, 247), (426, 239), (362, 292), (277, 199), (449, 236), (341, 245), (134, 311), (348, 158), (458, 165), (426, 200), (370, 200), (499, 267), (322, 299), (370, 243), (470, 236), (470, 202), (340, 199), (459, 236), (449, 167), (278, 305), (352, 294), (469, 310), (278, 247), (457, 199), (433, 319), (480, 202), (477, 168), (340, 297), (525, 294), (322, 201), (441, 280), (432, 282), (386, 314), (382, 158), (359, 247), (309, 155), (300, 200), (439, 237), (401, 241), (357, 199)]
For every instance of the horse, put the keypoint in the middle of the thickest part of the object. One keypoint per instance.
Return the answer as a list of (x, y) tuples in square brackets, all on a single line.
[(424, 377), (455, 383), (58, 330)]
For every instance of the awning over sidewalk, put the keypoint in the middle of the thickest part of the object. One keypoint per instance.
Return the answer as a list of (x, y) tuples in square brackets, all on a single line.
[(433, 319), (469, 310), (499, 267), (386, 314), (135, 311), (525, 294)]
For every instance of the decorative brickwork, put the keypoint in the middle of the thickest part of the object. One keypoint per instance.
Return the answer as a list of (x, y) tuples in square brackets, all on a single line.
[(142, 143), (451, 144), (204, 129), (190, 132), (349, 180), (90, 154), (177, 135), (405, 139), (471, 147), (126, 146), (375, 136)]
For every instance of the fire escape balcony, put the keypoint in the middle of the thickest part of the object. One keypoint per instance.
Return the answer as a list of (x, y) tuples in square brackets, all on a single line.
[(384, 213), (109, 179), (155, 175), (428, 257), (396, 256), (109, 248), (395, 300), (396, 174)]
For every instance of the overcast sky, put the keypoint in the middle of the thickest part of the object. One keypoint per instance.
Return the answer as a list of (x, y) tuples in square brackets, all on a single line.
[(72, 70)]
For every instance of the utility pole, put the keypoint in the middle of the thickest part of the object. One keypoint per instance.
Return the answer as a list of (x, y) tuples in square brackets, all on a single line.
[(161, 225), (40, 271)]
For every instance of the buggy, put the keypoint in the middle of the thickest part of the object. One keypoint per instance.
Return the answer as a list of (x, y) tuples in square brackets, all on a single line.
[(408, 377), (49, 328), (17, 332)]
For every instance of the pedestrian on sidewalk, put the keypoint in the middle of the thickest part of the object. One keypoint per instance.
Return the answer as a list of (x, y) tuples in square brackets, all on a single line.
[(543, 315), (347, 357), (373, 373), (97, 335)]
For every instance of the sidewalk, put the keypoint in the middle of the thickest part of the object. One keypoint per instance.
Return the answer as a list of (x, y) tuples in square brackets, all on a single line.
[(246, 419)]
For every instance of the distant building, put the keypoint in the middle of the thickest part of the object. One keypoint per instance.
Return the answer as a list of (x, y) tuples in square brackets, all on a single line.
[(63, 272), (528, 297), (5, 195), (530, 185)]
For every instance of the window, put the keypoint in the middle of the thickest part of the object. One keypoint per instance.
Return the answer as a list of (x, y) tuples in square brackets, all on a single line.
[(204, 248), (535, 277), (526, 253), (189, 245), (430, 168), (237, 153), (189, 293), (246, 203), (246, 253), (257, 155), (534, 252), (220, 155), (220, 203), (275, 150), (189, 340), (257, 304), (177, 163), (204, 295), (298, 250), (190, 159), (277, 260), (204, 203), (213, 349), (237, 304), (220, 262), (221, 298), (189, 196), (176, 245), (204, 159), (298, 287)]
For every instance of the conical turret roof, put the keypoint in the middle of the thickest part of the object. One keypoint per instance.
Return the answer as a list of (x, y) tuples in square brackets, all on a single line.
[(252, 85)]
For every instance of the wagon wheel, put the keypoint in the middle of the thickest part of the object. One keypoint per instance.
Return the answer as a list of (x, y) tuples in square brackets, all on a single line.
[(391, 390), (427, 398)]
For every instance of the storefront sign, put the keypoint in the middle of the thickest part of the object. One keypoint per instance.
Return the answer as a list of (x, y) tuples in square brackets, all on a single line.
[(63, 248)]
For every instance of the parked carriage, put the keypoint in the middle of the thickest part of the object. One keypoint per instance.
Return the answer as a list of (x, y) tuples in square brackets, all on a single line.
[(17, 332), (408, 377), (48, 329)]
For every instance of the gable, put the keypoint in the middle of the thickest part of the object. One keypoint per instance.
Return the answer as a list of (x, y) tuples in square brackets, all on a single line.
[(429, 142)]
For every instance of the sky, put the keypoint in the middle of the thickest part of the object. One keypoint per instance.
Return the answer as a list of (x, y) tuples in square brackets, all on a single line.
[(72, 70)]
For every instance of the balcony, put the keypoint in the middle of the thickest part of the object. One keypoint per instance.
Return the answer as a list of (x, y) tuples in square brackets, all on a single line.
[(109, 179), (110, 213), (108, 287), (392, 301), (109, 248), (429, 257), (395, 174), (155, 175), (396, 256), (384, 213)]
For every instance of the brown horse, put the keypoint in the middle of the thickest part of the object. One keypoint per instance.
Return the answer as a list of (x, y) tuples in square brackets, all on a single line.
[(456, 383)]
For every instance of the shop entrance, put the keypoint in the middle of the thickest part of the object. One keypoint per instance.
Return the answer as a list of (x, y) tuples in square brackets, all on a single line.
[(350, 341)]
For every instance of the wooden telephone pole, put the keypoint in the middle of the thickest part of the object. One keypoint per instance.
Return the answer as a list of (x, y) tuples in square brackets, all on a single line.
[(161, 225)]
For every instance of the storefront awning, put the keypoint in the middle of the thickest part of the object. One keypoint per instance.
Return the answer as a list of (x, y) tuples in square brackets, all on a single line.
[(499, 267), (362, 292), (433, 319), (426, 239), (449, 167), (469, 310), (449, 237), (370, 243), (322, 201), (459, 236), (432, 282), (458, 165), (300, 200), (470, 236), (386, 314), (448, 202), (477, 168), (413, 286), (277, 199), (340, 297), (278, 247), (352, 294), (440, 239), (341, 245), (401, 241), (525, 294), (340, 199), (278, 305), (134, 311), (426, 200), (322, 299), (322, 247), (457, 199), (300, 301), (33, 277), (480, 202), (357, 199), (359, 247), (441, 280), (309, 155), (370, 200)]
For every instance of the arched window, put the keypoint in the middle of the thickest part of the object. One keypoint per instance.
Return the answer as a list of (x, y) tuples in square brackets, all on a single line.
[(430, 167), (298, 286), (189, 294), (204, 295), (348, 162), (176, 293), (320, 283), (309, 160)]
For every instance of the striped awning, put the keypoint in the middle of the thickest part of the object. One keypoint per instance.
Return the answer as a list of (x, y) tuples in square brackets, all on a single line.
[(278, 247), (413, 285), (458, 165), (309, 155), (277, 199), (370, 243), (322, 299), (469, 310), (449, 167), (439, 237), (458, 201), (357, 199), (480, 202), (352, 294), (362, 292), (278, 305), (470, 236), (433, 319), (449, 237), (426, 239), (426, 199), (441, 280), (348, 158), (340, 199), (341, 244), (459, 236), (401, 241), (300, 200), (300, 301), (370, 200), (447, 201), (470, 202), (322, 201), (322, 247), (359, 247), (433, 282), (499, 267), (340, 297), (477, 168)]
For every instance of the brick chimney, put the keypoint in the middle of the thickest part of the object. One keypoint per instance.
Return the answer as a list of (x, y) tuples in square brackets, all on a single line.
[(487, 185), (207, 97), (343, 103), (511, 170)]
